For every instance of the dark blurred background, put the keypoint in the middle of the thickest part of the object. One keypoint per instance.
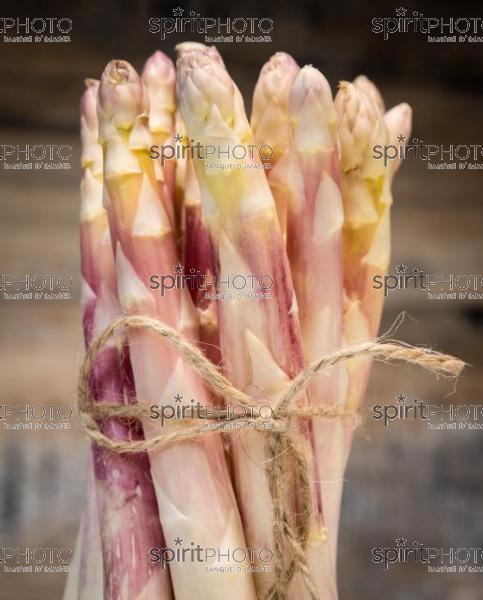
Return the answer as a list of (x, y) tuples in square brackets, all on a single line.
[(401, 481)]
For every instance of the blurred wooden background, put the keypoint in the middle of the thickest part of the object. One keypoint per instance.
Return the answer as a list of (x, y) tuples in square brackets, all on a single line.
[(403, 480)]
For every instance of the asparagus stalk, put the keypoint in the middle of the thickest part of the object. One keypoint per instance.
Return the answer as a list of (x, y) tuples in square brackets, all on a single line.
[(85, 578), (198, 264), (398, 121), (366, 219), (197, 252), (314, 246), (271, 127), (270, 119), (367, 198), (196, 247), (159, 77), (127, 508), (260, 339), (181, 163), (195, 497)]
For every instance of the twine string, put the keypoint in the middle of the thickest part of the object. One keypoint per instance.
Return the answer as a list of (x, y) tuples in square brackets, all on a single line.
[(282, 453)]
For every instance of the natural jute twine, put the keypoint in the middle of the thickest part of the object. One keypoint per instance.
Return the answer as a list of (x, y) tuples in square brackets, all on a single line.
[(282, 452)]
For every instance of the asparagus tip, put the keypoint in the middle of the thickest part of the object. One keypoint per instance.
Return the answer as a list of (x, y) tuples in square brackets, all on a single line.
[(121, 94), (311, 83), (187, 47), (399, 120), (158, 67), (88, 105), (370, 89)]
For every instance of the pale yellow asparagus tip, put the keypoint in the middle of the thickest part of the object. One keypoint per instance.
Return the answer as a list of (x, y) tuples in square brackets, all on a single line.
[(206, 93), (356, 118), (371, 90), (269, 119), (360, 127)]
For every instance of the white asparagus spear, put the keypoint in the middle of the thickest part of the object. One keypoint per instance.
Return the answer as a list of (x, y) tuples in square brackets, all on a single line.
[(196, 502), (85, 579), (260, 339), (314, 246), (271, 125), (127, 508)]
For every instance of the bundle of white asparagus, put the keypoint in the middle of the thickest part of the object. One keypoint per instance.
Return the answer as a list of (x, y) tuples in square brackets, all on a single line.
[(257, 241)]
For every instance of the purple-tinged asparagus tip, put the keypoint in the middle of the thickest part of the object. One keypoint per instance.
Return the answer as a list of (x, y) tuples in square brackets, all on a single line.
[(279, 62), (274, 81), (158, 68), (121, 94), (311, 82)]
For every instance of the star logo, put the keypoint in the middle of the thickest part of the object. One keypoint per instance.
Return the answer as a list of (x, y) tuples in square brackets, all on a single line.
[(178, 398), (401, 542), (178, 268), (401, 11), (178, 138), (177, 541), (401, 138), (401, 397), (178, 11), (401, 268)]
